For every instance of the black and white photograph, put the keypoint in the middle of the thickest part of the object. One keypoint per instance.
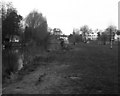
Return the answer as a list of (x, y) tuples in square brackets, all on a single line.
[(59, 47)]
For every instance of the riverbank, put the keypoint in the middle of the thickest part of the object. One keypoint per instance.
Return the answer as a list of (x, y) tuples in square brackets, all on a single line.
[(85, 69)]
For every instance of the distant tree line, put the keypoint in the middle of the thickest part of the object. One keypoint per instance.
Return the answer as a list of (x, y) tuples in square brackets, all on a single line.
[(106, 36), (36, 29)]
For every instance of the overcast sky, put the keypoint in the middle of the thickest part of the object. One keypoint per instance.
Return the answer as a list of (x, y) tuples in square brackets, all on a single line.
[(69, 14)]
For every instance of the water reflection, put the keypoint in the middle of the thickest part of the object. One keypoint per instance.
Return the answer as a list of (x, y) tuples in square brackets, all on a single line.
[(12, 61)]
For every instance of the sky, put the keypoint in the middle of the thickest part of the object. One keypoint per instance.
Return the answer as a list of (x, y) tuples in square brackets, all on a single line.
[(69, 14)]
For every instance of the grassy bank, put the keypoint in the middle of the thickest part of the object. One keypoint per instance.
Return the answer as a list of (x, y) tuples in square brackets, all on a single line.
[(85, 69)]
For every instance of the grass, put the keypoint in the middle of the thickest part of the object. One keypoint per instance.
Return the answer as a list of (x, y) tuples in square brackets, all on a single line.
[(97, 63), (95, 66)]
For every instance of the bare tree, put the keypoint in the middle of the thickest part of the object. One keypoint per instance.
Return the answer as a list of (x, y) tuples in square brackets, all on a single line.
[(39, 28), (111, 30), (85, 31)]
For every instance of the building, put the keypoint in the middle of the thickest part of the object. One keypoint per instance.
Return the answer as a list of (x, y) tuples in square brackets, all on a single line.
[(92, 36), (15, 38), (57, 31), (117, 37)]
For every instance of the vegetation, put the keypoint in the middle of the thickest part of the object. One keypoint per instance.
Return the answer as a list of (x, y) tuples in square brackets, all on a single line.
[(85, 69), (75, 38), (85, 30), (10, 21), (118, 32), (82, 68), (108, 35), (36, 29)]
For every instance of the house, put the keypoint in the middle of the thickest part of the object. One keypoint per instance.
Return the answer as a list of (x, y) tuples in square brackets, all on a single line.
[(65, 38), (57, 31), (15, 38), (117, 37), (92, 36)]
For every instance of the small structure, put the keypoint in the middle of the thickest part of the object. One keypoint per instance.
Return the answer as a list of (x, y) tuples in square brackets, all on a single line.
[(117, 37), (15, 38), (57, 31)]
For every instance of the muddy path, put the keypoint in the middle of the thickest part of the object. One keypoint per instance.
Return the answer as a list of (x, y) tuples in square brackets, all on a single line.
[(46, 79)]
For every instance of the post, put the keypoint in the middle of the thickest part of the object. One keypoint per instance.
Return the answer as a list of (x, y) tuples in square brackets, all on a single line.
[(111, 36), (111, 44)]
